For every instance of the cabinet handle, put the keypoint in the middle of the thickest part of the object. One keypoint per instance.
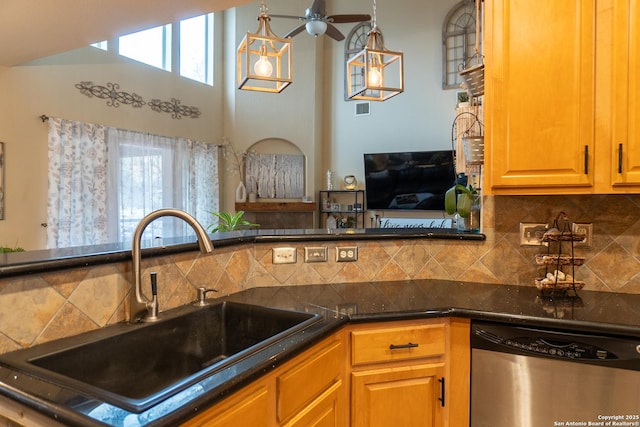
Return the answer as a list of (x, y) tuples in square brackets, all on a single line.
[(442, 391), (619, 158), (400, 346), (586, 160)]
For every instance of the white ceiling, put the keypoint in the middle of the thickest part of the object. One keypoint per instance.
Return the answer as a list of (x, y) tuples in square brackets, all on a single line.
[(31, 29)]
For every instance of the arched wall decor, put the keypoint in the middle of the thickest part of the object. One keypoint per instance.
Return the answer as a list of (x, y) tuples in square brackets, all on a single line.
[(275, 169)]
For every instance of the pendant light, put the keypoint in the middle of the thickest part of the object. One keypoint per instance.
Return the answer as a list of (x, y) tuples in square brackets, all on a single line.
[(264, 59), (375, 73)]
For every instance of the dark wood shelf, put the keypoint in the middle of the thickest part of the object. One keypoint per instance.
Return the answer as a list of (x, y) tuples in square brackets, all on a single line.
[(276, 207)]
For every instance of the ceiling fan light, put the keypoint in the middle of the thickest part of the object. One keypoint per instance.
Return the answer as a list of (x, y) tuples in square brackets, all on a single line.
[(316, 27)]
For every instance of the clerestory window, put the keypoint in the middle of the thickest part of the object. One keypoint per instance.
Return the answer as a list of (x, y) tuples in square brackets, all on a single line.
[(191, 56)]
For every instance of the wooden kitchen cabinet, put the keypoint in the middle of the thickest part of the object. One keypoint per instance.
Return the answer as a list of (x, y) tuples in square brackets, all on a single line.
[(555, 118), (410, 373), (400, 387), (305, 391), (252, 406), (625, 113)]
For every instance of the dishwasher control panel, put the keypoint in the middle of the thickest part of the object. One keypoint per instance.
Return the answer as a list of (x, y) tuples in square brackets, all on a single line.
[(543, 343), (556, 348)]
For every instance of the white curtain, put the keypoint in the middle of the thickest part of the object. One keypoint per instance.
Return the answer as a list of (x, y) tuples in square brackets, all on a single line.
[(77, 195), (118, 176)]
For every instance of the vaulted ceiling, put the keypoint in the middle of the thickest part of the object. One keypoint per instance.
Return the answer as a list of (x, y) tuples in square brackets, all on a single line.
[(31, 29)]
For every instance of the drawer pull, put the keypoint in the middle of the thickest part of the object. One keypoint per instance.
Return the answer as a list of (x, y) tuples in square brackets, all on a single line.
[(400, 346), (442, 391)]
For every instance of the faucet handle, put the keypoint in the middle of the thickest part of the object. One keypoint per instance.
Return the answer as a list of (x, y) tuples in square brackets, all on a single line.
[(202, 295)]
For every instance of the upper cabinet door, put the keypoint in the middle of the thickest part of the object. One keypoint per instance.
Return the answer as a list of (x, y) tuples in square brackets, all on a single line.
[(625, 168), (539, 96)]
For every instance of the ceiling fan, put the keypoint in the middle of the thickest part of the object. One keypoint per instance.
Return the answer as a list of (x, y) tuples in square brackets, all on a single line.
[(316, 21)]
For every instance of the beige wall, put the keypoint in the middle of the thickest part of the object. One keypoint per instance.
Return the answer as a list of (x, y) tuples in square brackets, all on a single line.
[(311, 113)]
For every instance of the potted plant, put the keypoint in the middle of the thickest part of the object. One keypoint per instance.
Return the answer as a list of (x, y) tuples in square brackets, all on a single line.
[(463, 99), (465, 201), (229, 222)]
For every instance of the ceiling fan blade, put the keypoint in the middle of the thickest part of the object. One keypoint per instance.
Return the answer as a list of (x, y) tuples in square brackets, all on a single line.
[(295, 31), (341, 19), (319, 7), (300, 18), (334, 33)]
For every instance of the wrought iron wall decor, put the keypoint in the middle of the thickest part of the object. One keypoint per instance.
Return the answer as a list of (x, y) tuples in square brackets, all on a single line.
[(174, 108), (111, 93), (114, 96)]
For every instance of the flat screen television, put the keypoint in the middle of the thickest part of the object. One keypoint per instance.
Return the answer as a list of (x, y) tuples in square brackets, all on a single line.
[(410, 181)]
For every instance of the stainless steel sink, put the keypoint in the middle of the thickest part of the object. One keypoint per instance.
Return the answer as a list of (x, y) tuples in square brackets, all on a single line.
[(135, 367)]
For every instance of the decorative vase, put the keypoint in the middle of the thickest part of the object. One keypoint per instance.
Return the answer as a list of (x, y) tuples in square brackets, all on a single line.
[(350, 182), (470, 223), (241, 193)]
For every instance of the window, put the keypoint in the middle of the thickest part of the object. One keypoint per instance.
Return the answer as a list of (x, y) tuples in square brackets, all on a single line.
[(196, 48), (459, 38), (103, 45), (103, 181), (356, 40), (152, 47), (155, 47)]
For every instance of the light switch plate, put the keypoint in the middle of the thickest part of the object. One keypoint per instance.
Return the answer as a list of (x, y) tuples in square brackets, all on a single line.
[(531, 233), (315, 254)]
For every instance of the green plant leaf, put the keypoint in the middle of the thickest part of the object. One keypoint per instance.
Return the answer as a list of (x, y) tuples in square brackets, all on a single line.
[(451, 201), (464, 204), (229, 222)]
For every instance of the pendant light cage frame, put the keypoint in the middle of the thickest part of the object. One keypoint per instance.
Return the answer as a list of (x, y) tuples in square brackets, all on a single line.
[(277, 50), (375, 73), (375, 58)]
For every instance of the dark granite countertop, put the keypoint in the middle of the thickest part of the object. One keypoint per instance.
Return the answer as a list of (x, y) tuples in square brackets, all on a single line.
[(29, 262), (338, 304)]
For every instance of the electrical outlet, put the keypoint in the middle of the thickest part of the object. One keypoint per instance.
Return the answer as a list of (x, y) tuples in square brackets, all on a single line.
[(348, 309), (531, 233), (587, 229), (346, 253), (315, 254), (284, 255)]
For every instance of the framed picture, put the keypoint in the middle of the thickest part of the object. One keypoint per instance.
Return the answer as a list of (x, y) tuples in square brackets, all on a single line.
[(335, 207)]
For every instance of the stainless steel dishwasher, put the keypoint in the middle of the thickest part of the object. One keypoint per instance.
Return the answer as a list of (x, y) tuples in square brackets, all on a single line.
[(530, 377)]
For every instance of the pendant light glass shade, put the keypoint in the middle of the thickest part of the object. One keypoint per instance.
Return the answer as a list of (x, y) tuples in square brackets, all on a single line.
[(264, 59), (375, 73)]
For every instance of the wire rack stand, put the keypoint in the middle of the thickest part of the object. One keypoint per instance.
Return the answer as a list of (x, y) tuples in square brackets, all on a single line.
[(561, 281)]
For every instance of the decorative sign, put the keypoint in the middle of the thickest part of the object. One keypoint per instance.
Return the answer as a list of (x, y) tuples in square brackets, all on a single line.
[(416, 223)]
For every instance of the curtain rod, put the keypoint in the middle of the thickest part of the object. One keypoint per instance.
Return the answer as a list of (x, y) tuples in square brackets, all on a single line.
[(45, 118)]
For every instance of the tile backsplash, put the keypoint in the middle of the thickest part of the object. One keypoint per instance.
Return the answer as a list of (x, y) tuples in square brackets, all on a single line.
[(38, 308)]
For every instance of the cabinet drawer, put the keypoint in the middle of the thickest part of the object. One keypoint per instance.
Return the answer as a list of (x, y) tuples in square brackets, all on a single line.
[(397, 343), (310, 377)]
